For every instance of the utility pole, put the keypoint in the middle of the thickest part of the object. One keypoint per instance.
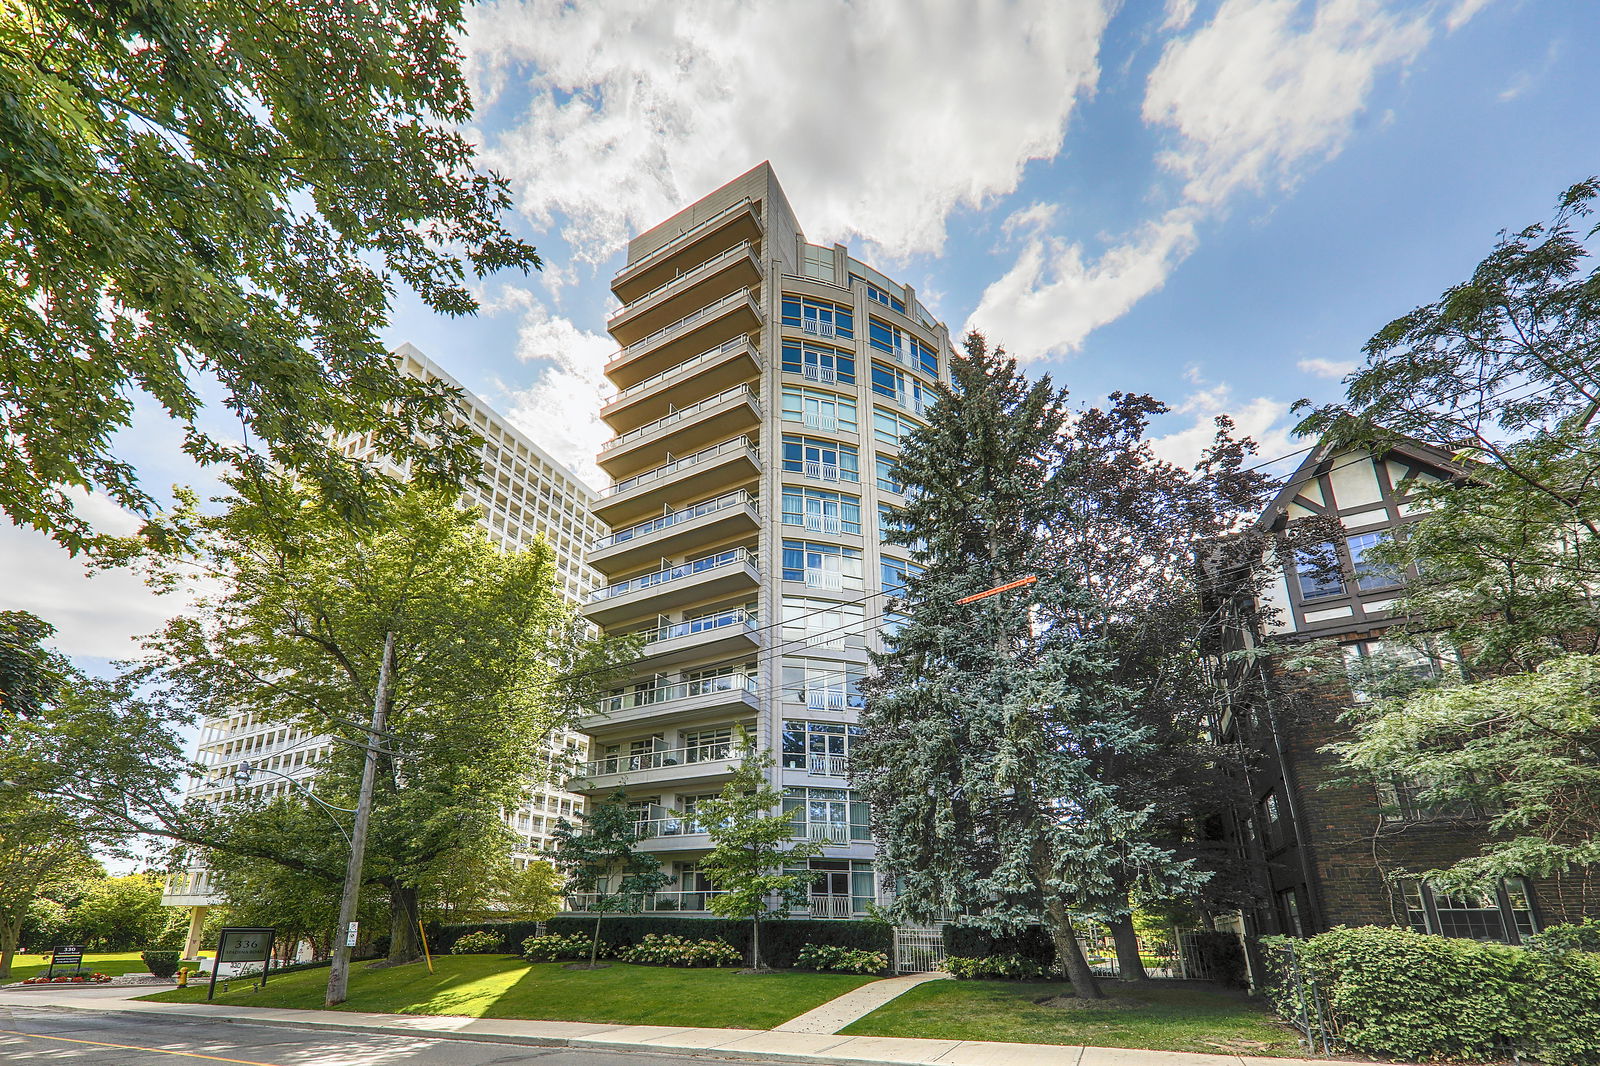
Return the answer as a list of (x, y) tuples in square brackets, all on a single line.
[(339, 974)]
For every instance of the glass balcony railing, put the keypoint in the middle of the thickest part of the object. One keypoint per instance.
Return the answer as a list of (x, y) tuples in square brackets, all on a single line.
[(678, 690), (673, 327), (741, 498), (684, 412), (707, 356), (738, 616), (697, 228), (664, 286), (704, 455), (731, 557), (722, 751)]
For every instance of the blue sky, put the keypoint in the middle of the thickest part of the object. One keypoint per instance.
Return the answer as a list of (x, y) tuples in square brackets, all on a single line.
[(1213, 202)]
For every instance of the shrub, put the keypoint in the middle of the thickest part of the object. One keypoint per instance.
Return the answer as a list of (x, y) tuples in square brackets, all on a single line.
[(553, 947), (1417, 996), (1032, 943), (838, 959), (1573, 936), (781, 939), (442, 938), (664, 949), (479, 943), (162, 963), (995, 967)]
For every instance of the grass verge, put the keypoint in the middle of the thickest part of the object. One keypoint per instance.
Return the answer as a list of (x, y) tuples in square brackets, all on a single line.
[(488, 986), (1164, 1016), (114, 964)]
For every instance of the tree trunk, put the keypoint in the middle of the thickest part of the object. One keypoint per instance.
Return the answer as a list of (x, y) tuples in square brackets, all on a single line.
[(10, 932), (594, 948), (1129, 965), (404, 943), (755, 942), (1070, 953)]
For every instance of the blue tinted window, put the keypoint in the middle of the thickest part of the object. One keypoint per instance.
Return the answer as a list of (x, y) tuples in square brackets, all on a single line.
[(1316, 581), (815, 362), (1369, 575)]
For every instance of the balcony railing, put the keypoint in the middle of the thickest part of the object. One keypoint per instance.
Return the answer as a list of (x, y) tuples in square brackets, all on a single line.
[(679, 690), (673, 825), (731, 557), (824, 472), (707, 356), (693, 459), (741, 498), (828, 832), (672, 327), (831, 906), (738, 616), (831, 698), (680, 238), (655, 760), (661, 901), (664, 286), (683, 412)]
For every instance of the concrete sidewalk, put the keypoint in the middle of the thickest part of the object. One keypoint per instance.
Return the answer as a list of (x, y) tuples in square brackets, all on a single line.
[(763, 1045)]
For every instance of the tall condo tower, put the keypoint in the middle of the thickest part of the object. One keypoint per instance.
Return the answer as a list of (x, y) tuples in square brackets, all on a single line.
[(761, 388), (524, 493)]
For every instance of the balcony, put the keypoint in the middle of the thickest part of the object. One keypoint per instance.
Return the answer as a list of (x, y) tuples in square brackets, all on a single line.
[(714, 370), (660, 902), (737, 222), (817, 765), (731, 696), (702, 763), (826, 832), (725, 318), (731, 269), (726, 573), (730, 463), (730, 515), (725, 635), (688, 429)]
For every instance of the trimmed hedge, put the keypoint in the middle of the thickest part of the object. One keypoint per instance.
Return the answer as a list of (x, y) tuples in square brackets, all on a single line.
[(162, 963), (442, 938), (1417, 996), (782, 939), (1033, 943)]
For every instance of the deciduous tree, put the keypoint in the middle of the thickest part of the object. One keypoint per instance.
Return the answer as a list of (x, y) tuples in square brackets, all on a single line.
[(223, 199), (598, 859)]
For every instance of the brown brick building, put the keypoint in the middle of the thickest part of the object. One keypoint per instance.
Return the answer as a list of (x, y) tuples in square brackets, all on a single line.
[(1326, 850)]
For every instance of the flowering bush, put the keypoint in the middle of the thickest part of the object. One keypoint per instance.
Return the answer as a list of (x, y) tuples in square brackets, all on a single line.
[(664, 949), (80, 978), (552, 947), (480, 943), (841, 959), (1005, 967)]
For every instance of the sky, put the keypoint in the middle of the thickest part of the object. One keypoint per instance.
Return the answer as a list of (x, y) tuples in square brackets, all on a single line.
[(1213, 202)]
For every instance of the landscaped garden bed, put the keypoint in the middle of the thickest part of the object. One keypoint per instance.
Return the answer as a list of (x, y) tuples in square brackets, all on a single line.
[(1159, 1015), (484, 986), (112, 964)]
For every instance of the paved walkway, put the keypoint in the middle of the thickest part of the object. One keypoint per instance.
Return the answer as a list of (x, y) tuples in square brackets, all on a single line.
[(855, 1004), (771, 1046)]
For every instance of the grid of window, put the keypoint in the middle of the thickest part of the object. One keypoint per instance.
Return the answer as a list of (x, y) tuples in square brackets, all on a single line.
[(890, 428), (818, 317), (886, 475), (1504, 914), (897, 575), (882, 296), (818, 362), (1318, 577), (823, 685), (1370, 576), (816, 261), (821, 511), (824, 623), (821, 748), (819, 410), (821, 460), (822, 566), (903, 346)]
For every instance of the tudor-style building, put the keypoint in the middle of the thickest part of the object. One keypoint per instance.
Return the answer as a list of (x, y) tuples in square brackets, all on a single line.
[(1326, 852)]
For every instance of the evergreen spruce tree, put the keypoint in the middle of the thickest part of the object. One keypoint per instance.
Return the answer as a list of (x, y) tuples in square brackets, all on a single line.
[(984, 721), (752, 841)]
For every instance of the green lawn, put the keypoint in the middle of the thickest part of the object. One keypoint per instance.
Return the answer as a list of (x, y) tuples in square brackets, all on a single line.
[(1169, 1016), (114, 964), (489, 986)]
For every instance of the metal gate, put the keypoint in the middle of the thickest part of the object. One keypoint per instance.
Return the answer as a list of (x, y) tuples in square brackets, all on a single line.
[(918, 950)]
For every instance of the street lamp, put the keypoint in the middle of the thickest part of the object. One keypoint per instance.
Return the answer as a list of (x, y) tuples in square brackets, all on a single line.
[(244, 771)]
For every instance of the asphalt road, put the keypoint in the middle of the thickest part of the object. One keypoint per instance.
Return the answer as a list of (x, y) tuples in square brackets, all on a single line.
[(45, 1035)]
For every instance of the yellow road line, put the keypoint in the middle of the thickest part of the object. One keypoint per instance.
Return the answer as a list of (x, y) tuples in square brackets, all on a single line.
[(135, 1047)]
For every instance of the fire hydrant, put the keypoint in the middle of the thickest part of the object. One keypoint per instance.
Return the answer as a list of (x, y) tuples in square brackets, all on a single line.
[(183, 978)]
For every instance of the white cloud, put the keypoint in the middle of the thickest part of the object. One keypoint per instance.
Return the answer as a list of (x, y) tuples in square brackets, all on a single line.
[(880, 119), (1256, 95), (1053, 297), (1462, 13), (1265, 87), (1035, 217), (99, 616), (560, 410), (1262, 419), (1326, 368)]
